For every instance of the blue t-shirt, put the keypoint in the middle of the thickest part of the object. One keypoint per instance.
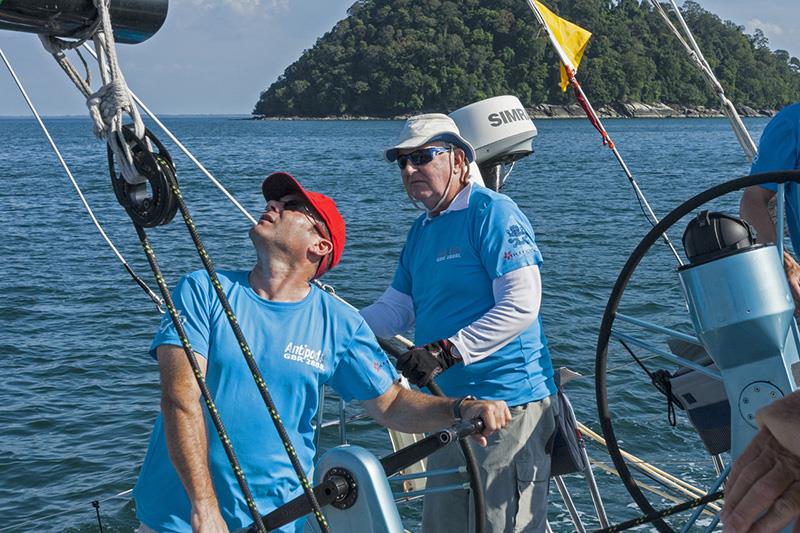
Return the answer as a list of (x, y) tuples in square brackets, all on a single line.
[(447, 266), (298, 347), (779, 149)]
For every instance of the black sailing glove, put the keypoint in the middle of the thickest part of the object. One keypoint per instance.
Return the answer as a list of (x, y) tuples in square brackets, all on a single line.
[(421, 364)]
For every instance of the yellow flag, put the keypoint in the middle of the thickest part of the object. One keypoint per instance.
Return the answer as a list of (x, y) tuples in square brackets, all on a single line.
[(572, 38)]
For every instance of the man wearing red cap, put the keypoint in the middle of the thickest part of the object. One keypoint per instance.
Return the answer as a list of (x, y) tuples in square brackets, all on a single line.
[(301, 338)]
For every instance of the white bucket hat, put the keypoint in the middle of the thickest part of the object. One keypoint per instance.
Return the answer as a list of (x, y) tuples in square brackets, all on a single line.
[(431, 127)]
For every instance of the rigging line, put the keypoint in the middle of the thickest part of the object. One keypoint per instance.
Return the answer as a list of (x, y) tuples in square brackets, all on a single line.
[(619, 367), (660, 380), (185, 150), (698, 59), (139, 281), (652, 517), (327, 288), (689, 34)]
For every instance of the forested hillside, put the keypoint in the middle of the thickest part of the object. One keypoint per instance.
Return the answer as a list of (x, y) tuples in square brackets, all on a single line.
[(392, 57)]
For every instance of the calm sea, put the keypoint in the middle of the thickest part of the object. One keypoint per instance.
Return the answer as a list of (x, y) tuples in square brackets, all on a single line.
[(79, 393)]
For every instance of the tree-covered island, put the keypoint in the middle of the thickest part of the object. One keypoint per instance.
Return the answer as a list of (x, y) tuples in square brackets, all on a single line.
[(394, 57)]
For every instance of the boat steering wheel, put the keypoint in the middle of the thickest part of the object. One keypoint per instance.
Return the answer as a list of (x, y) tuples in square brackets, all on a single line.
[(621, 459)]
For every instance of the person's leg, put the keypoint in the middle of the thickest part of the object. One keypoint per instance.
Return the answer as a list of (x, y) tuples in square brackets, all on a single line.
[(447, 511), (514, 470), (533, 468)]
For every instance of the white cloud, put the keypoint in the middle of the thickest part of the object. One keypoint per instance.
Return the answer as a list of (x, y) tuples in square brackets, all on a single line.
[(242, 7), (767, 27)]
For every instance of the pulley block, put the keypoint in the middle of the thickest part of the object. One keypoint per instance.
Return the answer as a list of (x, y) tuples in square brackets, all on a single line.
[(152, 202)]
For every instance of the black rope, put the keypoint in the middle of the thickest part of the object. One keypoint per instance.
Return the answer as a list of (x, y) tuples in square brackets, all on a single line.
[(159, 209), (198, 374), (661, 381), (251, 363), (475, 482), (652, 517)]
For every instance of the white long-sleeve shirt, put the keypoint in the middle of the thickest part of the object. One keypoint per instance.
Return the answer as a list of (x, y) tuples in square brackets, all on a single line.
[(517, 297)]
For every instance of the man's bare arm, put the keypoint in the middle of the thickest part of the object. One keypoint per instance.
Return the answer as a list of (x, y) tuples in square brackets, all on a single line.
[(187, 439), (754, 208), (411, 411)]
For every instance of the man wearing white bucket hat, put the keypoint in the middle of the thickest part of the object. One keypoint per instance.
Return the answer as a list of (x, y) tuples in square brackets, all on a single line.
[(468, 280)]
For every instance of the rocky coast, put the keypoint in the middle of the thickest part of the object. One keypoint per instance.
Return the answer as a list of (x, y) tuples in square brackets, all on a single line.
[(640, 110), (557, 111)]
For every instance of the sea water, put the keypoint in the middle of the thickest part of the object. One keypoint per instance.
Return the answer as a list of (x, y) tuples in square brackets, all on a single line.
[(79, 392)]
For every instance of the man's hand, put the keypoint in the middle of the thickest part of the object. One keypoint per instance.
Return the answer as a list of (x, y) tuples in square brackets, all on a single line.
[(782, 419), (495, 415), (421, 364), (763, 490), (792, 270), (206, 518)]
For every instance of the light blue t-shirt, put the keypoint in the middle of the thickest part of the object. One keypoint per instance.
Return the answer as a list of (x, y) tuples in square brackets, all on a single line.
[(447, 266), (779, 149), (298, 346)]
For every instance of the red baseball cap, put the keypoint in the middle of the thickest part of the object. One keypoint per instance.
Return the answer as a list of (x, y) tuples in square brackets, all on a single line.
[(279, 184)]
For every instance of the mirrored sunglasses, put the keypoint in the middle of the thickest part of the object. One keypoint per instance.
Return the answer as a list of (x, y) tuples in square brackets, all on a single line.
[(421, 157)]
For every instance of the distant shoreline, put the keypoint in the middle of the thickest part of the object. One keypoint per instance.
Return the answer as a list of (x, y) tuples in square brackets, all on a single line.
[(554, 111)]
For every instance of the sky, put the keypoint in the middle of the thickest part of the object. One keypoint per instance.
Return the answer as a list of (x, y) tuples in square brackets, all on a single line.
[(216, 56)]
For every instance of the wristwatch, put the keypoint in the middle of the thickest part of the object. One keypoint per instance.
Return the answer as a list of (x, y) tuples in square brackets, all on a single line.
[(458, 403)]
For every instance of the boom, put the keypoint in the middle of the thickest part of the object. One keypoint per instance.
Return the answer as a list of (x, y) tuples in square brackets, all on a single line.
[(134, 21)]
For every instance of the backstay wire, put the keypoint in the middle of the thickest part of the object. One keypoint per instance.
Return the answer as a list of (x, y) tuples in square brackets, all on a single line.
[(729, 110), (697, 57)]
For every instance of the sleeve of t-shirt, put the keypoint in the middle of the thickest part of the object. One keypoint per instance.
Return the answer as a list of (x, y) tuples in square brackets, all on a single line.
[(402, 276), (191, 299), (505, 239), (364, 371), (777, 149)]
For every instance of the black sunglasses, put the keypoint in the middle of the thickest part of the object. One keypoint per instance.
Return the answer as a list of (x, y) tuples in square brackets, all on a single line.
[(300, 206), (420, 157)]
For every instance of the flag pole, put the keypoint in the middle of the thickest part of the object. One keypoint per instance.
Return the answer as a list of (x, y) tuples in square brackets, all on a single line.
[(569, 68)]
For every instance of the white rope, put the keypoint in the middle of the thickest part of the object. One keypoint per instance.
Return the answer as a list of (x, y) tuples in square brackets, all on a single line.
[(697, 57), (108, 104), (153, 296), (186, 151)]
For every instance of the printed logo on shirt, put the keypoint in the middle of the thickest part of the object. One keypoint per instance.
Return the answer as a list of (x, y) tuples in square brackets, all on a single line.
[(449, 253), (380, 366), (302, 353), (517, 236), (508, 256), (166, 322)]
